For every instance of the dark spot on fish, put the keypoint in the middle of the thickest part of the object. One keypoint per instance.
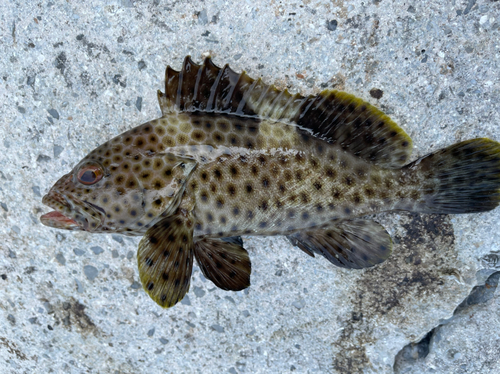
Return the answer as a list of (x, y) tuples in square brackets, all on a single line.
[(158, 201), (218, 137), (299, 158), (255, 170), (204, 176), (231, 189), (336, 193), (204, 196), (263, 205), (234, 171), (217, 174), (158, 184), (213, 187), (210, 217), (265, 182), (250, 214), (249, 188), (319, 207), (330, 173), (150, 286), (347, 211), (233, 140), (149, 262), (282, 188), (177, 282), (356, 199), (305, 216), (369, 192), (236, 211), (218, 265), (304, 197), (317, 185), (220, 202), (348, 180)]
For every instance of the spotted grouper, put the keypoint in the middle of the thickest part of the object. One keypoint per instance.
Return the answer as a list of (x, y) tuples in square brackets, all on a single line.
[(233, 156)]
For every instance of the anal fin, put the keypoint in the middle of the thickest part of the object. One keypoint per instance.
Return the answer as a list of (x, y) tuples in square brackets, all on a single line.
[(354, 244), (224, 262)]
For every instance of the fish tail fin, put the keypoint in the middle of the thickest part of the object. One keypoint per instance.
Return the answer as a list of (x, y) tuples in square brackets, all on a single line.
[(463, 178)]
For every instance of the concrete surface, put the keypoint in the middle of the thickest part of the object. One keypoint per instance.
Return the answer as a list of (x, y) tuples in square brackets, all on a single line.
[(74, 74)]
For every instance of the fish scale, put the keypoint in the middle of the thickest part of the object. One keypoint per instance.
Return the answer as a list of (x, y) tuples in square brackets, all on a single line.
[(233, 156)]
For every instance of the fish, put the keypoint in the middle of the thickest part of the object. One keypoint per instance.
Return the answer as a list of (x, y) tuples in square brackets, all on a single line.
[(232, 156)]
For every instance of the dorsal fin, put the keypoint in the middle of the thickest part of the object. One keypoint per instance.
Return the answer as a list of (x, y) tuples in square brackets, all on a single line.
[(337, 117)]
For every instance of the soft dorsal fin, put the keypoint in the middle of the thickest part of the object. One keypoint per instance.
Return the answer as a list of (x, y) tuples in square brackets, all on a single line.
[(337, 117)]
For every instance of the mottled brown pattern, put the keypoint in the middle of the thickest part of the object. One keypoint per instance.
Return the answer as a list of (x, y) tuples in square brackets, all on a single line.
[(233, 156)]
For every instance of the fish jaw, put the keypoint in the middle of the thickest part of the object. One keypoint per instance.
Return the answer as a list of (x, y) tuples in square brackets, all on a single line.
[(69, 214)]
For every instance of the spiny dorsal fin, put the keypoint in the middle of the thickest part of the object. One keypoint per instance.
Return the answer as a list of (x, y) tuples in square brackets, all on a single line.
[(337, 117)]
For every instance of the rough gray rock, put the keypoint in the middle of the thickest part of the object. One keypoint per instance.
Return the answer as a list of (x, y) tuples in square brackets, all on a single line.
[(67, 74)]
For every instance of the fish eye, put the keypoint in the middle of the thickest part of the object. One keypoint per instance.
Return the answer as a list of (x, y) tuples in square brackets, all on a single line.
[(90, 174)]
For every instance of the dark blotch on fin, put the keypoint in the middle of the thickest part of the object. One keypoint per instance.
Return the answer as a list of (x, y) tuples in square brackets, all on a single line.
[(224, 262), (165, 259), (336, 117), (352, 244)]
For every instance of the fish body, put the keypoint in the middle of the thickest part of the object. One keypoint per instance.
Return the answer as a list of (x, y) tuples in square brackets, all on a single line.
[(233, 156)]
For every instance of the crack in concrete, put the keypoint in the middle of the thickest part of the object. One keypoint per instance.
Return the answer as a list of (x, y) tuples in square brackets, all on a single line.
[(417, 351)]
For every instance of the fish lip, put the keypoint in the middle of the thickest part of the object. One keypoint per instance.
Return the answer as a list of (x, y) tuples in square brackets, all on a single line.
[(70, 207)]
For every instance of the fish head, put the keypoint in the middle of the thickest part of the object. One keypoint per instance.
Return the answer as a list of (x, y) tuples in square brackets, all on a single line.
[(118, 189)]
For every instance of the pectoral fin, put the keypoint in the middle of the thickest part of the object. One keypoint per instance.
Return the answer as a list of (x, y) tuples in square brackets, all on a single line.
[(352, 244), (165, 259), (224, 262)]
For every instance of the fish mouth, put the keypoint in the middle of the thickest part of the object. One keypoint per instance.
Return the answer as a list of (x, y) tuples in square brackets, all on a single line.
[(70, 214)]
